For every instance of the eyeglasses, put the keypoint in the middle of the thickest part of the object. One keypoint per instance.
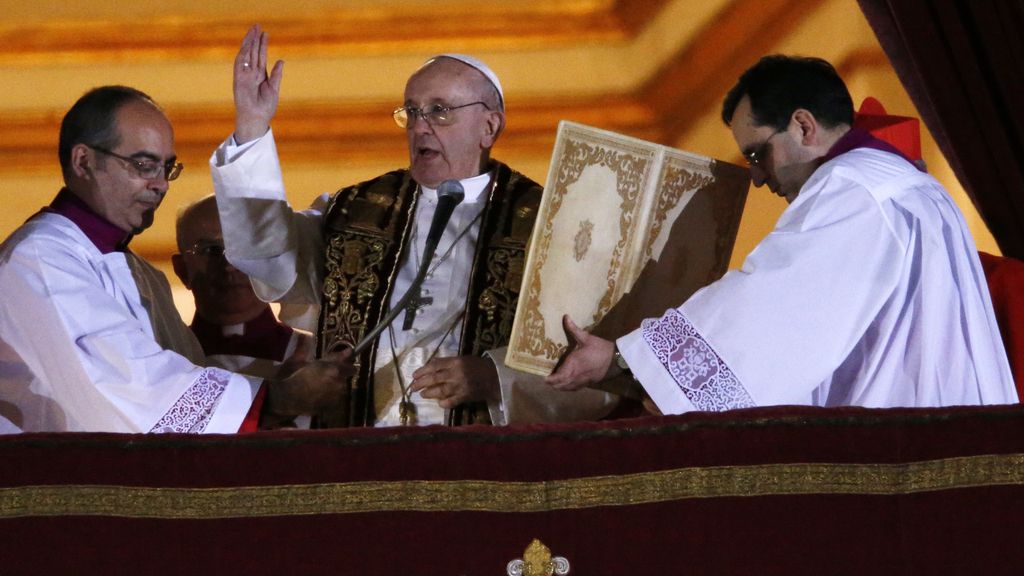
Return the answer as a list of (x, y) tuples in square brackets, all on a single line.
[(435, 114), (757, 156), (148, 169), (205, 248)]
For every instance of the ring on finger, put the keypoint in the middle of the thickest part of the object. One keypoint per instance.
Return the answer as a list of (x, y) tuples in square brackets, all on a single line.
[(245, 64)]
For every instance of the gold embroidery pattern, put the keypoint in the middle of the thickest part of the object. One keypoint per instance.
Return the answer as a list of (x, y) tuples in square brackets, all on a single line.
[(514, 208), (677, 180), (364, 230), (630, 170), (352, 278), (515, 497), (498, 300)]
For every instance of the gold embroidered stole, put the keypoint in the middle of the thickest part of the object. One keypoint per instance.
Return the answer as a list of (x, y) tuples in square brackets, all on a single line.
[(367, 232)]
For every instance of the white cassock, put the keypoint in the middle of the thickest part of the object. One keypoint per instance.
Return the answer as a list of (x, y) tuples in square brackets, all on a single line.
[(282, 251), (87, 343), (868, 292)]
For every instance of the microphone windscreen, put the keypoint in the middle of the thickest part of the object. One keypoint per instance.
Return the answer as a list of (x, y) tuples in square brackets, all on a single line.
[(452, 189)]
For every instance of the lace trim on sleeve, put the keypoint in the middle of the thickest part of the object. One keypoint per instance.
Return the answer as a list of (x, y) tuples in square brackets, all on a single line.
[(193, 411), (698, 371)]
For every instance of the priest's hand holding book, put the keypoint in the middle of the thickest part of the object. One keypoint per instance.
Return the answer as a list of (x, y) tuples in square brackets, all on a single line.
[(588, 361), (593, 362)]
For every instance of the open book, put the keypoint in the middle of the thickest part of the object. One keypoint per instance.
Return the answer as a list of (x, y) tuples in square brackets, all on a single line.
[(626, 229)]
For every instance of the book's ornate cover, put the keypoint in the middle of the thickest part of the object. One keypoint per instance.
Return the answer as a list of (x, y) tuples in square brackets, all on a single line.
[(626, 229)]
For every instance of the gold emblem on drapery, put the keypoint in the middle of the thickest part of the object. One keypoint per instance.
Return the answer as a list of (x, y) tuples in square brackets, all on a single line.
[(537, 561)]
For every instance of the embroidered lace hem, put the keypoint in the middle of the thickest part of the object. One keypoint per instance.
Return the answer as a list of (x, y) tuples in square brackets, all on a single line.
[(697, 369), (194, 410)]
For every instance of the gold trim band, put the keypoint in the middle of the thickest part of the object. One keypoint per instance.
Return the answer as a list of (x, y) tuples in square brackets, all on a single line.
[(514, 497)]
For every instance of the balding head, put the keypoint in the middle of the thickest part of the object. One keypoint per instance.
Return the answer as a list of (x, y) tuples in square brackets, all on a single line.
[(197, 220), (223, 294), (459, 148)]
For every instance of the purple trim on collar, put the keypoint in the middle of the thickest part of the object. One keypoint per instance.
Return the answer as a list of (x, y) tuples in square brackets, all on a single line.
[(859, 138), (263, 337), (107, 237)]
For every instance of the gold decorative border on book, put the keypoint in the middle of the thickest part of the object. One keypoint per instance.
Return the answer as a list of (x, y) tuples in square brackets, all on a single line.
[(577, 148), (873, 479), (679, 175)]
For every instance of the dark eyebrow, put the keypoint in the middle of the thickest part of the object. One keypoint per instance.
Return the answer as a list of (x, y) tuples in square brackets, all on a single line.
[(436, 102)]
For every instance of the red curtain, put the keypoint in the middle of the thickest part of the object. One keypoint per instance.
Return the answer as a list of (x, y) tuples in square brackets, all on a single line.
[(783, 490), (962, 63)]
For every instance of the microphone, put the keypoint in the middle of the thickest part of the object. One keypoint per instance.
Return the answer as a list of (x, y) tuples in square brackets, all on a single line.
[(449, 194)]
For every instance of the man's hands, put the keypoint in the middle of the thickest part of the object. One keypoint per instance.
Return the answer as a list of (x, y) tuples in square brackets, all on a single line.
[(316, 385), (589, 361), (454, 381), (256, 93)]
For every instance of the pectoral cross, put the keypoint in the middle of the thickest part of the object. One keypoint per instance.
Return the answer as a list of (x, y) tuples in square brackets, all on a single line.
[(406, 413), (414, 305)]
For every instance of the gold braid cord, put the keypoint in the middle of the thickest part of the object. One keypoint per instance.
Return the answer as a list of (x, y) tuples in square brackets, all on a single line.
[(763, 480)]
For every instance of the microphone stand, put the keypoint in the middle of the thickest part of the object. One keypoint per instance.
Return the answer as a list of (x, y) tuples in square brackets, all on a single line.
[(428, 254), (450, 193)]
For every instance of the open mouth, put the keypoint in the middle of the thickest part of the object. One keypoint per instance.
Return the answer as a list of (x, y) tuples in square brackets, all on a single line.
[(427, 153)]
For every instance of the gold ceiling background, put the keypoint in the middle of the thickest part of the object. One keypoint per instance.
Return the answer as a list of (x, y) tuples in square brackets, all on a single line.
[(655, 69)]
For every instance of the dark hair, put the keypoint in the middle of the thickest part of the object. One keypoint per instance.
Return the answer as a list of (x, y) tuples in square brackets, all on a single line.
[(93, 119), (779, 85)]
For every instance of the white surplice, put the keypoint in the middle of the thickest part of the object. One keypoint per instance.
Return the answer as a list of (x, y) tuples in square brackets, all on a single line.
[(282, 252), (868, 292), (87, 343)]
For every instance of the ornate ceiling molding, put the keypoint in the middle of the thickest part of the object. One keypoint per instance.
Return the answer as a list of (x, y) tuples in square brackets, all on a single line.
[(323, 132), (697, 78), (388, 28), (663, 109)]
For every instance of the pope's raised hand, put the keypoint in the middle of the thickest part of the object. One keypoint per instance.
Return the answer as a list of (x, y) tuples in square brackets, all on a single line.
[(256, 92)]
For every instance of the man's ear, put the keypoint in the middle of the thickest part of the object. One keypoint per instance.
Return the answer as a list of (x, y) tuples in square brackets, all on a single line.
[(180, 270), (82, 161), (808, 126), (492, 128)]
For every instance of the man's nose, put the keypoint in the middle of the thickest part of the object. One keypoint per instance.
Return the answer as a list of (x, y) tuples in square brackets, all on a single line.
[(219, 265), (159, 184), (758, 175), (418, 123)]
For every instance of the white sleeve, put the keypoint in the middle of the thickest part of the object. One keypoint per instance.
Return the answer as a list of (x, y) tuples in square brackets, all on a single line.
[(527, 399), (775, 330), (280, 249), (87, 347)]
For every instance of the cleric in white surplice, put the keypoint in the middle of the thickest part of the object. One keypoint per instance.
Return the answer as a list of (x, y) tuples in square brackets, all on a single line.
[(89, 336), (868, 292)]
